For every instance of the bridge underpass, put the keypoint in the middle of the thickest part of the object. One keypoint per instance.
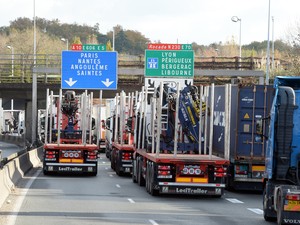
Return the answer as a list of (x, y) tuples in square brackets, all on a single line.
[(129, 80)]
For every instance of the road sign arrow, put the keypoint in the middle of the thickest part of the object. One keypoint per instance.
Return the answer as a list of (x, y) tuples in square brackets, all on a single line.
[(107, 83), (70, 82)]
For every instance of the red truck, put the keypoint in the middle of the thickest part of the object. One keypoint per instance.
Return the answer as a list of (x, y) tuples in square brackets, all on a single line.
[(172, 154), (121, 139), (69, 144)]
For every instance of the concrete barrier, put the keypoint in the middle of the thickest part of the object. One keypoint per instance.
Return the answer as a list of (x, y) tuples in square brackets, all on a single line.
[(13, 171)]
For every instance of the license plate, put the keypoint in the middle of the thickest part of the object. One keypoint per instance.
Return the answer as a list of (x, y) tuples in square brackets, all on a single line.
[(292, 205), (293, 202)]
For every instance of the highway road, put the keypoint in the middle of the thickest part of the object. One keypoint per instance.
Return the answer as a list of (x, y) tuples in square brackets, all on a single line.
[(8, 149), (112, 200)]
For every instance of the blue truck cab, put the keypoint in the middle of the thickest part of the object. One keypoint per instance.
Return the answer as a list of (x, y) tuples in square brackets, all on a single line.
[(282, 174)]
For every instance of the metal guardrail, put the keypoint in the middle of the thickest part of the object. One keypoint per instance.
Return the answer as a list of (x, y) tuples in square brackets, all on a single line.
[(18, 140), (18, 68)]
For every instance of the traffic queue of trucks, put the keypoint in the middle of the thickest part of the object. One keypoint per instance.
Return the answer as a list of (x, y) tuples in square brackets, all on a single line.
[(176, 139), (156, 139), (240, 131)]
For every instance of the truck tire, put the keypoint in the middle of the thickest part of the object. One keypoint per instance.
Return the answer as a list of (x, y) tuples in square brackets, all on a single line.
[(152, 191), (140, 178), (147, 178), (118, 165), (279, 201), (45, 172), (230, 178), (133, 176), (266, 207), (112, 161)]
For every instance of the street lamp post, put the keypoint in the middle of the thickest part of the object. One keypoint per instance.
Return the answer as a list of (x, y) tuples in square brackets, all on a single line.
[(67, 41), (113, 39), (268, 47), (273, 47), (34, 83), (12, 59), (237, 19)]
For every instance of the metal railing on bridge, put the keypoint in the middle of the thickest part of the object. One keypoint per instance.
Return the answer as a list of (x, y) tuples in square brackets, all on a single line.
[(18, 68)]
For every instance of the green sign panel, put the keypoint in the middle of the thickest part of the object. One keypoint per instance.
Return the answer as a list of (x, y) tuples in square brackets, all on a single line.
[(92, 48), (169, 63), (186, 47)]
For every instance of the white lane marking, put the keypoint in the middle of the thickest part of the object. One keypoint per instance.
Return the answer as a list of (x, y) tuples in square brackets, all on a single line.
[(130, 200), (234, 200), (118, 186), (15, 211), (106, 168), (257, 211), (153, 222), (111, 175), (103, 162)]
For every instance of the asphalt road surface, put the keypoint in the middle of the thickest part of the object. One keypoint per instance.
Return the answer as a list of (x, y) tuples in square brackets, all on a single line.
[(7, 149), (112, 200)]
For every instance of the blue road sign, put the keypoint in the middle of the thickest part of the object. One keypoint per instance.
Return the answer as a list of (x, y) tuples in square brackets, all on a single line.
[(89, 70), (152, 63)]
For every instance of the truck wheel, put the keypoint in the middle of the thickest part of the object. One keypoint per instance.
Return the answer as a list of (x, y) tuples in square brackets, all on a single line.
[(230, 179), (140, 178), (266, 209), (113, 163), (147, 178), (134, 171), (45, 172), (279, 208), (117, 165), (152, 191)]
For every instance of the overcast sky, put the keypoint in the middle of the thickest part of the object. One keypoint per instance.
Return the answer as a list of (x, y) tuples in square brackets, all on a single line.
[(170, 21)]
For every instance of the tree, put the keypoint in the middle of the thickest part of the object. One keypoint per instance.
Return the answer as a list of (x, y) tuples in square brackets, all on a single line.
[(293, 40), (108, 46)]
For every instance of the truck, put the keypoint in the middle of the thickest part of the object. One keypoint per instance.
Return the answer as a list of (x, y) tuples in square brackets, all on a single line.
[(69, 145), (170, 151), (99, 117), (121, 139), (109, 126), (249, 108), (13, 122), (281, 196)]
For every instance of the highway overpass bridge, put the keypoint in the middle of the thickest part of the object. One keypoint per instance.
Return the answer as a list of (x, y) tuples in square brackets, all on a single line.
[(16, 79)]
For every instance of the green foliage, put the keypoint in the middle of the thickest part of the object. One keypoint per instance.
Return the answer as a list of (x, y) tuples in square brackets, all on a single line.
[(108, 46), (50, 32), (127, 41)]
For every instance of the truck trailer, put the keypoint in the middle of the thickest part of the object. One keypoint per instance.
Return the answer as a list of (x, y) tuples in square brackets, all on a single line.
[(249, 109), (69, 144), (281, 198), (170, 155), (121, 139)]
